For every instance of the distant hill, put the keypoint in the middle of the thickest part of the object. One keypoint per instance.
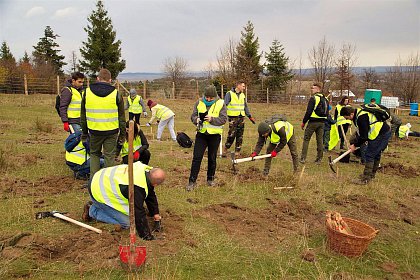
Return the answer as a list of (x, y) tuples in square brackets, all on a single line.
[(139, 76)]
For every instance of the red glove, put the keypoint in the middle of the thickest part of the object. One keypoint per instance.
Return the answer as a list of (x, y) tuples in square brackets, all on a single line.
[(254, 154), (302, 125), (252, 120), (273, 154), (136, 155), (66, 126)]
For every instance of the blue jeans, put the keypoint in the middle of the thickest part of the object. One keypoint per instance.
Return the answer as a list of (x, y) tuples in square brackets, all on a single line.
[(106, 214), (75, 126), (84, 169), (375, 147)]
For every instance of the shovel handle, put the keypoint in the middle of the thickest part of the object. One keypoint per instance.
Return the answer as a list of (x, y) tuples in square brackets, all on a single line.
[(239, 160), (58, 215), (341, 156), (131, 125)]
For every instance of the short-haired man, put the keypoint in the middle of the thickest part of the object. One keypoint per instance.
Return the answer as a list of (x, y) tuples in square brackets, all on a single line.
[(135, 106), (70, 102), (376, 133), (103, 117)]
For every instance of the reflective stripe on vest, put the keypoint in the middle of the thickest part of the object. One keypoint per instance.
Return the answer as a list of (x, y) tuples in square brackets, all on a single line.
[(374, 125), (77, 155), (136, 146), (402, 131), (134, 105), (214, 111), (105, 186), (163, 112), (340, 119), (73, 110), (274, 137), (101, 112), (236, 106), (317, 97)]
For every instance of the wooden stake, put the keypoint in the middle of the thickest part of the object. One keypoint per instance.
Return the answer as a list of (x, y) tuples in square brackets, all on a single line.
[(58, 84), (25, 82)]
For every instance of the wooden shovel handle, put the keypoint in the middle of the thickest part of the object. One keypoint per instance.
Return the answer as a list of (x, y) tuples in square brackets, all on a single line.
[(131, 183), (58, 215)]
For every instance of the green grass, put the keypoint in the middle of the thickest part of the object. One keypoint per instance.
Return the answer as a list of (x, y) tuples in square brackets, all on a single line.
[(202, 243)]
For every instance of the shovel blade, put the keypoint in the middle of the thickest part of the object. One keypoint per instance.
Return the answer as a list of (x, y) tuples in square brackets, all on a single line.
[(133, 259)]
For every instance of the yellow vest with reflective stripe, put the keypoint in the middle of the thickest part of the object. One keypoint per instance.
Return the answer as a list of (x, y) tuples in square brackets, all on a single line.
[(274, 137), (214, 111), (73, 110), (374, 124), (134, 105), (317, 97), (105, 186), (402, 131), (340, 119), (136, 146), (101, 112), (236, 106), (77, 155), (163, 112)]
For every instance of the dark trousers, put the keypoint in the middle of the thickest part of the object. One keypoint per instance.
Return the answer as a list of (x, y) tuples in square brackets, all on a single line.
[(326, 138), (144, 157), (236, 131), (342, 137), (375, 147), (318, 128), (203, 141), (106, 144), (132, 116), (293, 152)]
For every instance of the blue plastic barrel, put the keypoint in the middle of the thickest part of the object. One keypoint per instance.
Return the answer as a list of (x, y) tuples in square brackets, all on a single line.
[(414, 109)]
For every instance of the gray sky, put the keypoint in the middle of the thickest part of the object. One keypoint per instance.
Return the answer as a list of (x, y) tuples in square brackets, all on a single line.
[(153, 30)]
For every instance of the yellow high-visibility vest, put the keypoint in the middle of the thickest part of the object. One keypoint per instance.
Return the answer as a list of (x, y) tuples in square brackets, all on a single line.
[(105, 186), (402, 131), (340, 119), (134, 105), (274, 137), (163, 112), (374, 124), (78, 154), (236, 106), (101, 112), (136, 146), (317, 97), (73, 110), (214, 111)]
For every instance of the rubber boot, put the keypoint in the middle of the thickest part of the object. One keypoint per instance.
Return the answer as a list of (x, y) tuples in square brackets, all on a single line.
[(366, 177), (375, 168)]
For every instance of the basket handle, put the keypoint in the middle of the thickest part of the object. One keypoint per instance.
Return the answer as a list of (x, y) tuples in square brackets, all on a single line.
[(373, 234)]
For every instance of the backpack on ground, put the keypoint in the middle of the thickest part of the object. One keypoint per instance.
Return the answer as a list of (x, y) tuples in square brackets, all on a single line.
[(381, 112), (184, 140), (322, 107), (276, 118), (72, 141), (57, 104)]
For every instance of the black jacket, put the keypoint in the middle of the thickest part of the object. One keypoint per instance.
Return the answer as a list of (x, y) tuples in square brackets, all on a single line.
[(309, 109), (362, 123), (283, 141), (65, 99)]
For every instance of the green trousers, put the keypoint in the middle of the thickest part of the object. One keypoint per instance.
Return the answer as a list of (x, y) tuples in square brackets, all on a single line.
[(318, 128), (102, 144), (293, 152)]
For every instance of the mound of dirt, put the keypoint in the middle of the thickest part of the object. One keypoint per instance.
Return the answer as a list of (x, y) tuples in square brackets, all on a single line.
[(251, 174), (394, 168)]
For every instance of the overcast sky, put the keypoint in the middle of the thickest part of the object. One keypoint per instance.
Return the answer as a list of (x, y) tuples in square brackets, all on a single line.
[(153, 30)]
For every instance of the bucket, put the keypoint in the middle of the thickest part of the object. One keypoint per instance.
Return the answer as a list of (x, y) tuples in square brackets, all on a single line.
[(414, 109)]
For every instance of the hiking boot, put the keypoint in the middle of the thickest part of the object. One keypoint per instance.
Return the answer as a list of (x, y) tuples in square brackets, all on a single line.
[(318, 161), (367, 175), (190, 186), (225, 152), (302, 161), (211, 183), (85, 215)]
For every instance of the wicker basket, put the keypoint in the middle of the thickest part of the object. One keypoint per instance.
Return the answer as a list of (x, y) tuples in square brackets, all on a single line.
[(351, 245)]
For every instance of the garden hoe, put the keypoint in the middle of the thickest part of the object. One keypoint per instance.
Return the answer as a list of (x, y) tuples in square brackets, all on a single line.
[(239, 160), (41, 215), (131, 256), (332, 162)]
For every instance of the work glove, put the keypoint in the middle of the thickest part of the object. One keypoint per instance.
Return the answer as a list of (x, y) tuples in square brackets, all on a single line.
[(136, 155), (302, 125), (273, 154), (145, 113), (66, 126), (254, 154), (147, 124), (157, 226), (252, 119)]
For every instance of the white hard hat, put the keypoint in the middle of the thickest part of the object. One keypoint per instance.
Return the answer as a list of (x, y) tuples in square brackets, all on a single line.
[(408, 125)]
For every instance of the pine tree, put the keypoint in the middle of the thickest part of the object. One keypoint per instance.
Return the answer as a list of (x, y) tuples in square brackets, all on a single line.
[(247, 60), (276, 66), (25, 58), (101, 50), (47, 52), (5, 53)]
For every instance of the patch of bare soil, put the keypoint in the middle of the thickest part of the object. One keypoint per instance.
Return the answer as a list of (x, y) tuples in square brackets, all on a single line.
[(45, 186), (251, 174), (264, 229), (399, 169), (40, 138), (391, 155)]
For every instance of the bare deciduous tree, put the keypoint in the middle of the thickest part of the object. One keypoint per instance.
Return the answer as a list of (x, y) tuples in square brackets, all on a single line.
[(176, 70), (321, 58), (345, 61), (226, 63), (74, 64), (370, 78)]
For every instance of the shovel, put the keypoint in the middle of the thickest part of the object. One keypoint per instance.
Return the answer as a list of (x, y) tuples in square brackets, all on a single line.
[(42, 215), (236, 161), (131, 255)]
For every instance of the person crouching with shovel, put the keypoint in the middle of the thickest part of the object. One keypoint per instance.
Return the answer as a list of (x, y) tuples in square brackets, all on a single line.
[(280, 133)]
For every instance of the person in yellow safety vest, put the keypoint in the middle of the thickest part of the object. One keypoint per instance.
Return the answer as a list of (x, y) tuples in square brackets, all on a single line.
[(108, 191), (405, 130), (376, 133), (164, 116), (135, 106), (280, 133), (316, 115), (103, 117), (237, 109), (140, 146), (209, 115), (341, 121), (70, 102)]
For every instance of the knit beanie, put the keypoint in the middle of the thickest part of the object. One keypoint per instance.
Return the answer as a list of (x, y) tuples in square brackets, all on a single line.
[(263, 128), (210, 91), (149, 103), (133, 92)]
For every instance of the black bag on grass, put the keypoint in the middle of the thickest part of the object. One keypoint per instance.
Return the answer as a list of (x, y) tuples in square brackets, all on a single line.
[(381, 113), (184, 140)]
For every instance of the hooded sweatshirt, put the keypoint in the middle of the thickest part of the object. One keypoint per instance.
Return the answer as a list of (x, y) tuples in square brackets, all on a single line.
[(65, 99)]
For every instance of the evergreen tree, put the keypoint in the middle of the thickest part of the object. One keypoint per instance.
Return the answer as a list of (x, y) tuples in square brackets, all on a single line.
[(5, 53), (101, 50), (47, 52), (276, 66), (247, 60), (25, 58)]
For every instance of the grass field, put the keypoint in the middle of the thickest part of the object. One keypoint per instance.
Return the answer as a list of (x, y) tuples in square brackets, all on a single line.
[(242, 229)]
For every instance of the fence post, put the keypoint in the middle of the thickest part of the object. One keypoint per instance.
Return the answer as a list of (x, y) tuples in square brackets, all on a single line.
[(25, 84), (267, 96), (246, 94), (144, 89), (173, 90), (87, 82), (196, 87), (118, 85), (58, 84), (221, 88)]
